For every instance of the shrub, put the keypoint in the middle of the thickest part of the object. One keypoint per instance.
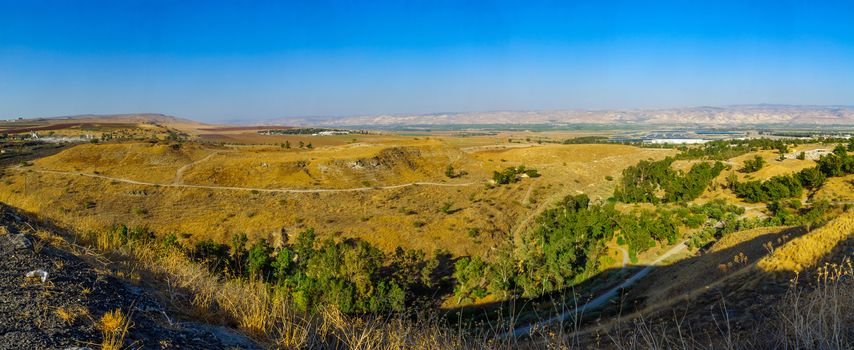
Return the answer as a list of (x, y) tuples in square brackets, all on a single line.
[(753, 165), (446, 207), (258, 261)]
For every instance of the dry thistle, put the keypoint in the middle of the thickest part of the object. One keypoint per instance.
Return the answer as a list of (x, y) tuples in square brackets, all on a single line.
[(114, 328)]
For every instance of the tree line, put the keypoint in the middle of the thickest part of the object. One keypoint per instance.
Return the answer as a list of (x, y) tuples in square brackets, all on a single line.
[(657, 182), (838, 163), (353, 275)]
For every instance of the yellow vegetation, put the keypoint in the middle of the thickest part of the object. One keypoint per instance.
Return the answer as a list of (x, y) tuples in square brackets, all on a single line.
[(70, 314), (386, 218), (114, 327), (806, 252)]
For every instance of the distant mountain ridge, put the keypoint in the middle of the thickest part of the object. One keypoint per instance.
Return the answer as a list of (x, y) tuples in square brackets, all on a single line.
[(761, 114), (704, 115), (128, 118)]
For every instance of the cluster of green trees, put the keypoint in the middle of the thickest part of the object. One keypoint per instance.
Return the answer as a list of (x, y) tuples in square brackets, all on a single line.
[(726, 149), (353, 275), (643, 183), (753, 165), (511, 174), (568, 241), (773, 189), (562, 250), (566, 245), (586, 140), (838, 163), (641, 229)]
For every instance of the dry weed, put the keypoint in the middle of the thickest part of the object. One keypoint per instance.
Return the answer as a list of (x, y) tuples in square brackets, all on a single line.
[(114, 327)]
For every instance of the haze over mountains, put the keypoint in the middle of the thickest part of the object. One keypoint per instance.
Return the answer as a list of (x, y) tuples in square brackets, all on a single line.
[(729, 115), (762, 114)]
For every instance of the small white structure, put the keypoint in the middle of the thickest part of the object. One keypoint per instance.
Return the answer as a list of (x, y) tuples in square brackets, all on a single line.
[(813, 154), (332, 132), (677, 141)]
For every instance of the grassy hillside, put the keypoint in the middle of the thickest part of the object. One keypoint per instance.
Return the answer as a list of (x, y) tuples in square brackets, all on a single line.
[(412, 217)]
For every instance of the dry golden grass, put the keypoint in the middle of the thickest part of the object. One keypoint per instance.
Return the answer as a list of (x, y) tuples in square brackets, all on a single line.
[(806, 252), (730, 254), (815, 312), (815, 317), (258, 310), (773, 167), (837, 189), (387, 218), (69, 315), (819, 317)]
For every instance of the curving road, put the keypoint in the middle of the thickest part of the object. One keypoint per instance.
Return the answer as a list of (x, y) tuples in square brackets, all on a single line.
[(271, 190), (602, 299)]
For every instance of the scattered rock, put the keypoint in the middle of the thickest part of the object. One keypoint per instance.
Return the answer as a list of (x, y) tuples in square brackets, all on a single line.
[(16, 242), (38, 275), (84, 293)]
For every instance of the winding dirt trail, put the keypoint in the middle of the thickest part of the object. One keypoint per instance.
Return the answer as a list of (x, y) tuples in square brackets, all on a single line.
[(601, 299), (179, 174), (269, 190)]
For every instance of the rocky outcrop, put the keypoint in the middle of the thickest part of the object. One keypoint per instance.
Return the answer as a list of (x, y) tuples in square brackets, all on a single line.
[(61, 308)]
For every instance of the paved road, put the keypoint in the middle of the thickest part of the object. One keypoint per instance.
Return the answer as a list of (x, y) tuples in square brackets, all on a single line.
[(272, 190), (602, 299)]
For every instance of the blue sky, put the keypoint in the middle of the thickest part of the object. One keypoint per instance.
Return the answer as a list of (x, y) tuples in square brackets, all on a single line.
[(256, 60)]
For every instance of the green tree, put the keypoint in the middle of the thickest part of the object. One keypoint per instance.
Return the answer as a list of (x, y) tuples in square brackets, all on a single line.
[(283, 264), (258, 262), (753, 165), (469, 274)]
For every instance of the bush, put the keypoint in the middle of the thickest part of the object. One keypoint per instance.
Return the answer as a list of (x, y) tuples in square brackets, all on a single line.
[(446, 207), (511, 174), (753, 165)]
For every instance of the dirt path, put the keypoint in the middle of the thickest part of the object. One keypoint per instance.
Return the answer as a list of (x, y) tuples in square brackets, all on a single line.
[(474, 149), (626, 259), (602, 299), (179, 174), (527, 198), (270, 190)]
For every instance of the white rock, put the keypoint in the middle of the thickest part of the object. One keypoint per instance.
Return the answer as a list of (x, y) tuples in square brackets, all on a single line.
[(40, 274)]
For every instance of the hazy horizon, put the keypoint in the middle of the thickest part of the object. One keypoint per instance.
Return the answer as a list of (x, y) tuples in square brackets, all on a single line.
[(215, 62)]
